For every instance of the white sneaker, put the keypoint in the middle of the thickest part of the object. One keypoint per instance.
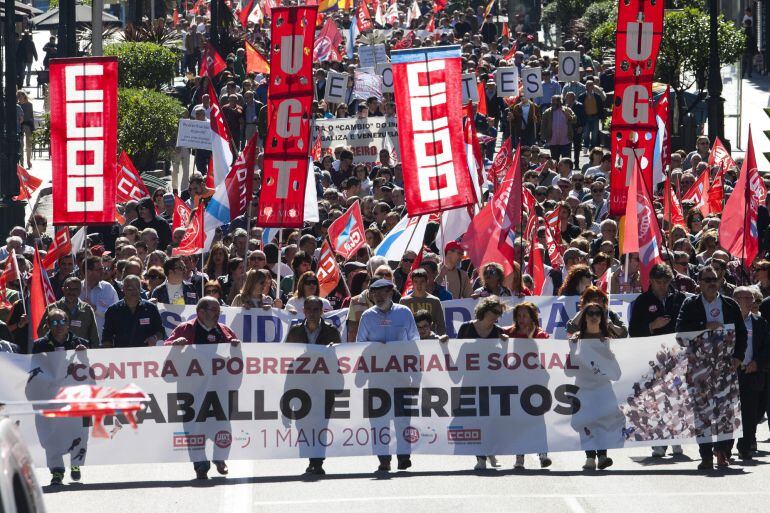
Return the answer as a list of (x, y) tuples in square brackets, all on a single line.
[(481, 463), (519, 464), (545, 461), (659, 451), (677, 450), (590, 464), (493, 461)]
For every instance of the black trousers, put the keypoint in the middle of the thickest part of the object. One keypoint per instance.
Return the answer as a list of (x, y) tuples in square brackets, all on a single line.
[(593, 454), (317, 462), (751, 410), (706, 450), (400, 458)]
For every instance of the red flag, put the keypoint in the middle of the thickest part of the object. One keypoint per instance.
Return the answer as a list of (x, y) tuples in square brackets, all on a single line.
[(415, 265), (718, 156), (130, 183), (555, 253), (672, 210), (28, 184), (240, 180), (535, 265), (552, 221), (11, 271), (482, 107), (61, 245), (491, 234), (505, 32), (406, 42), (346, 233), (255, 62), (604, 281), (699, 193), (40, 294), (328, 271), (364, 18), (327, 44), (431, 27), (175, 17), (716, 192), (642, 234), (738, 233), (212, 64), (439, 5), (195, 237), (181, 214), (508, 57), (316, 150), (501, 163), (473, 150), (221, 141), (243, 15)]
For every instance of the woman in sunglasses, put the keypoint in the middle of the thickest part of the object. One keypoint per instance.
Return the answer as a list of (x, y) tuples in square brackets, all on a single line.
[(593, 294), (213, 289), (488, 311), (491, 282), (307, 286), (596, 369)]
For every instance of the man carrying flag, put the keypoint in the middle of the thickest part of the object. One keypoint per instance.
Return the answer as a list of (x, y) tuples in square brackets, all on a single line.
[(346, 233)]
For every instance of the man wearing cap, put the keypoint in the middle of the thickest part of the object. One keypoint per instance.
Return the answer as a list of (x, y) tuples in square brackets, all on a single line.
[(387, 322), (454, 278), (148, 219)]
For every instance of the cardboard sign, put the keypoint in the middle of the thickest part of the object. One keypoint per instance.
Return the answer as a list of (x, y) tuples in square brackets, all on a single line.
[(470, 90), (507, 80), (367, 85), (194, 134), (531, 79), (386, 72), (569, 66), (336, 87), (369, 56)]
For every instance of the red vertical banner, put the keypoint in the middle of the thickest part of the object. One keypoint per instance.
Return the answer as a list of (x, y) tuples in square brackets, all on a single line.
[(290, 101), (634, 128), (84, 133), (430, 129)]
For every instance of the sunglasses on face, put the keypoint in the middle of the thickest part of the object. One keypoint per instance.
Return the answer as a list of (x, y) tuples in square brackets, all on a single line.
[(311, 282), (408, 260), (211, 291), (58, 322), (593, 312)]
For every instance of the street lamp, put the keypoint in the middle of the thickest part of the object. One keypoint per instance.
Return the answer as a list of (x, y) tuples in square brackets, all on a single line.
[(716, 107)]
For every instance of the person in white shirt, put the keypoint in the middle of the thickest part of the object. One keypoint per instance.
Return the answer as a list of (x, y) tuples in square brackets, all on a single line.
[(97, 292)]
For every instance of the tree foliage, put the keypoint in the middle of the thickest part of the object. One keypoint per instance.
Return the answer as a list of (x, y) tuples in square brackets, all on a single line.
[(602, 38), (599, 13), (144, 65), (563, 13), (147, 125)]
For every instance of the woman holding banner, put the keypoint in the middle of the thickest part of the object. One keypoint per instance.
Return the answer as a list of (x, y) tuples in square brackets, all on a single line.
[(601, 421)]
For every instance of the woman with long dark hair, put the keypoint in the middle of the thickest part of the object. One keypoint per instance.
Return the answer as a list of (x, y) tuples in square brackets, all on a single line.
[(578, 279), (216, 263)]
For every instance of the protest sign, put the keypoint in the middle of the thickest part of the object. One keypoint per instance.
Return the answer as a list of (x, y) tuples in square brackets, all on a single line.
[(386, 72), (569, 66), (336, 87), (193, 134), (507, 80), (465, 397), (531, 80), (369, 56), (366, 85), (470, 90), (365, 136)]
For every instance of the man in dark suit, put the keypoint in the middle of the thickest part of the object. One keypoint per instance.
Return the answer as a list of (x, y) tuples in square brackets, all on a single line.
[(709, 310), (175, 290), (752, 374), (314, 330)]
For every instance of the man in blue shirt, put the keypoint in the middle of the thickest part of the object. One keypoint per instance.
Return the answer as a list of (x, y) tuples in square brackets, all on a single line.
[(133, 321), (385, 322)]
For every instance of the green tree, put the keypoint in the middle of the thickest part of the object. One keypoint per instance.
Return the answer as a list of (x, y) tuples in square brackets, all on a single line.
[(602, 38), (599, 13), (143, 65), (147, 125), (563, 13), (55, 3)]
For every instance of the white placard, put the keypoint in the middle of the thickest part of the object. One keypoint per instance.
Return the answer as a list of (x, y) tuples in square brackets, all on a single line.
[(569, 66), (531, 79), (470, 89), (369, 56), (507, 80), (336, 87), (367, 84), (192, 133), (386, 72)]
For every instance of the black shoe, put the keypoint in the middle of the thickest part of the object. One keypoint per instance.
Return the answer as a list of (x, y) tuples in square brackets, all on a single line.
[(746, 456), (383, 467), (706, 465), (221, 467), (315, 471), (57, 478), (201, 474), (404, 464), (75, 473)]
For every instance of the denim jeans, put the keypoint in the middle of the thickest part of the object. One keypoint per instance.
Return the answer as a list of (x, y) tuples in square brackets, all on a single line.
[(591, 132)]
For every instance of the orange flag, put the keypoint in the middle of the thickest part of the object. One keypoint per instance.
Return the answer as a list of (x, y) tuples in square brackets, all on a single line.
[(255, 62), (40, 294), (328, 271), (482, 107)]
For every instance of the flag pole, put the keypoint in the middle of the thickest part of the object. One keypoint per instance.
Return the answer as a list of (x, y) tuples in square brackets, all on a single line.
[(278, 265), (342, 277)]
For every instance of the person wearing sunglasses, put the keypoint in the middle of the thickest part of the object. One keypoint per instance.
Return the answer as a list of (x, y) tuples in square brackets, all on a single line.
[(487, 313), (492, 282), (596, 369), (307, 286), (710, 310), (403, 269), (175, 290)]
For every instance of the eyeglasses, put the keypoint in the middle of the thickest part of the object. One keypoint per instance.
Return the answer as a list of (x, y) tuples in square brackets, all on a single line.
[(57, 322), (311, 282), (593, 312), (408, 260), (490, 272), (211, 291)]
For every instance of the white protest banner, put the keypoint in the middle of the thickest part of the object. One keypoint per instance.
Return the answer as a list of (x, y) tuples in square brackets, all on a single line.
[(531, 79), (470, 89), (386, 72), (194, 134), (365, 136), (369, 56), (336, 87), (366, 85), (257, 325), (507, 80), (466, 397), (569, 66)]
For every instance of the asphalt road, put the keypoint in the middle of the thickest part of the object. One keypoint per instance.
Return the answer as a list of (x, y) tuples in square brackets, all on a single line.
[(636, 483)]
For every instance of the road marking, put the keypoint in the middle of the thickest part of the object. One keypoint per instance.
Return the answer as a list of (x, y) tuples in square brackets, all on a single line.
[(574, 504), (564, 497)]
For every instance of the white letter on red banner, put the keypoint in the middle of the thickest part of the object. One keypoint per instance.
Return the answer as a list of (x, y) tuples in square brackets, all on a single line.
[(84, 131), (426, 82)]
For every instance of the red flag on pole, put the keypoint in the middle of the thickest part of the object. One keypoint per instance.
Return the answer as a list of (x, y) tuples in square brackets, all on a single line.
[(28, 184), (243, 15), (346, 233), (642, 234), (482, 107), (61, 245), (181, 214), (699, 193), (212, 64), (327, 44), (255, 62), (40, 294), (672, 210), (738, 230), (195, 238), (508, 57), (408, 282), (501, 163), (535, 265), (328, 271), (130, 183)]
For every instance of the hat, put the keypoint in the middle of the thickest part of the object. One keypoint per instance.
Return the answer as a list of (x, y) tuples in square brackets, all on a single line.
[(350, 267), (98, 250), (381, 284), (168, 198), (574, 253), (453, 245)]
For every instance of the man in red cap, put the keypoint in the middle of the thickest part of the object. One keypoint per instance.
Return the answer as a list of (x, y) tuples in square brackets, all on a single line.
[(451, 275)]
